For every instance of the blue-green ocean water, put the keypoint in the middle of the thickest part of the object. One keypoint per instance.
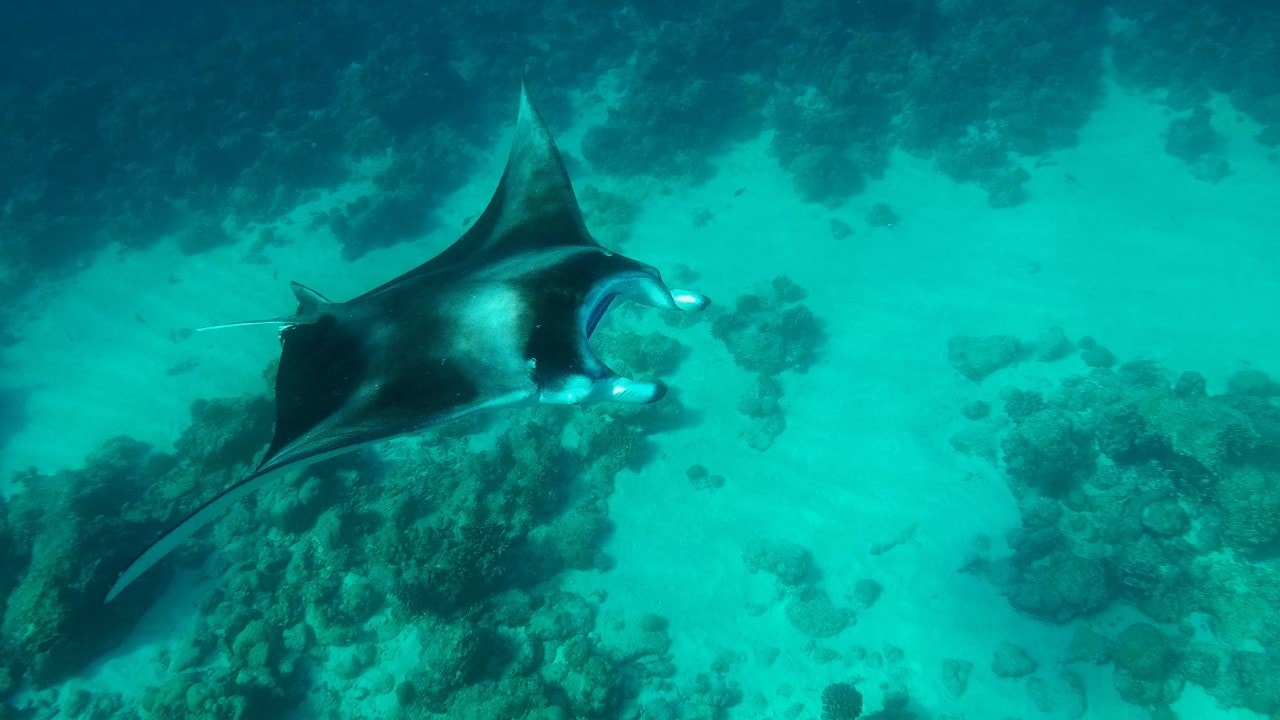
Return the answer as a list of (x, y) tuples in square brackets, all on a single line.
[(981, 422)]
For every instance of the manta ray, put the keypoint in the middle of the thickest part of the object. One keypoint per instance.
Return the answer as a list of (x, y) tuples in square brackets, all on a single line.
[(500, 318)]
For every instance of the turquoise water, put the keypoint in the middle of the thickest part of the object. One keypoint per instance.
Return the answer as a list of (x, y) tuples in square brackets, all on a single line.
[(980, 424)]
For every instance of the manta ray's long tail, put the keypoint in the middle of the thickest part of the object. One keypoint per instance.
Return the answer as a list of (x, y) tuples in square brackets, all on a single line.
[(278, 322), (310, 305)]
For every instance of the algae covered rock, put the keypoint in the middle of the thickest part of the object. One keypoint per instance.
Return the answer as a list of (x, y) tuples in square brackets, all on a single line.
[(1165, 518), (977, 357), (225, 433), (1012, 661), (254, 645), (1062, 586), (1254, 681), (1051, 345), (841, 701), (812, 613), (1048, 451), (1061, 694), (955, 676), (1252, 382), (1250, 497), (1145, 666), (1089, 645), (866, 592), (787, 561), (1144, 651), (770, 331), (976, 409)]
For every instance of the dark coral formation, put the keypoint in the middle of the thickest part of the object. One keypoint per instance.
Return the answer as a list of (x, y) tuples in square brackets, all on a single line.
[(955, 676), (1192, 49), (1012, 661), (806, 603), (1193, 140), (129, 124), (1144, 662), (143, 121), (881, 215), (789, 562), (811, 611), (692, 82), (1140, 489), (842, 85), (769, 332), (841, 701), (61, 562)]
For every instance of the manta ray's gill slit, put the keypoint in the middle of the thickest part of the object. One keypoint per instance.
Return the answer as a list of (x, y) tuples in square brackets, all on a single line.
[(598, 311)]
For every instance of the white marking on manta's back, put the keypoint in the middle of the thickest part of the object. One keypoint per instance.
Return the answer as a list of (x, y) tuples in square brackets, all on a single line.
[(493, 332)]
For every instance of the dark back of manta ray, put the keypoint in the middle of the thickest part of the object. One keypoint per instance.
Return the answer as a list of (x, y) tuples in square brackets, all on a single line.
[(324, 364)]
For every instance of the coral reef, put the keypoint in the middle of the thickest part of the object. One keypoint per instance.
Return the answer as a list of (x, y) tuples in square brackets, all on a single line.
[(183, 122), (1048, 450), (689, 91), (1134, 488), (1192, 49), (450, 545), (763, 405), (805, 602), (135, 128), (54, 620)]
